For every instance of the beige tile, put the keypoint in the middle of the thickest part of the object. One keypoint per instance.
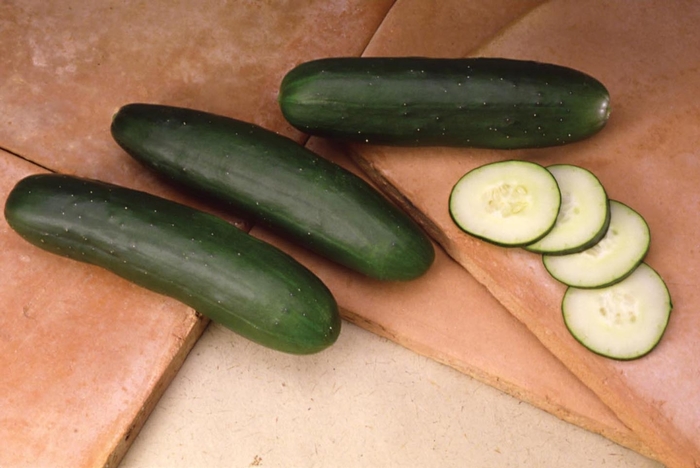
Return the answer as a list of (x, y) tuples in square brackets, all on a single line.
[(363, 402)]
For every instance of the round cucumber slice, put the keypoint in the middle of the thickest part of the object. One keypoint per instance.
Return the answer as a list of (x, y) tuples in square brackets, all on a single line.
[(510, 203), (624, 321), (618, 253), (584, 215)]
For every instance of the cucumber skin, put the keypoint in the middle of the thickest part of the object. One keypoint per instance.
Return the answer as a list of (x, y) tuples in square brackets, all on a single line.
[(473, 102), (199, 259), (279, 183)]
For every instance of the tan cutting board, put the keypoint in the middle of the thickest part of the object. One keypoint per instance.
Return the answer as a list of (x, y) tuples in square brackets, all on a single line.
[(648, 156)]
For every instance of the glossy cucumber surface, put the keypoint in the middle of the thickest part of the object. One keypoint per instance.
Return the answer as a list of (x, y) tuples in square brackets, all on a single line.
[(279, 183), (473, 102), (199, 259)]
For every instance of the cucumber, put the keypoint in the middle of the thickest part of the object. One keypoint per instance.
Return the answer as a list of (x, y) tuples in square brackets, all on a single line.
[(508, 203), (474, 102), (584, 215), (624, 321), (279, 183), (618, 253), (199, 259)]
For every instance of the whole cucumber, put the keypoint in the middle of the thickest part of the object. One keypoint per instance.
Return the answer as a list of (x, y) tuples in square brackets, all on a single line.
[(197, 258), (286, 187), (473, 102)]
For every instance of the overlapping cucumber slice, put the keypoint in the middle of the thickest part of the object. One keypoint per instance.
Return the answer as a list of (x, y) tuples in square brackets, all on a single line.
[(584, 215), (615, 304), (613, 258)]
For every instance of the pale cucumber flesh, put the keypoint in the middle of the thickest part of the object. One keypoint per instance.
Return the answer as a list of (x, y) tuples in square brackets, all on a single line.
[(509, 203), (623, 321)]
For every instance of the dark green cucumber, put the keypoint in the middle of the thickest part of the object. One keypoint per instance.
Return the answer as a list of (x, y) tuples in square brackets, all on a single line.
[(475, 102), (199, 259), (279, 183)]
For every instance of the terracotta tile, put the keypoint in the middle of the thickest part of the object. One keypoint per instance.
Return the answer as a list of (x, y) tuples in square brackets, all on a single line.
[(69, 66), (444, 29), (646, 157), (86, 355)]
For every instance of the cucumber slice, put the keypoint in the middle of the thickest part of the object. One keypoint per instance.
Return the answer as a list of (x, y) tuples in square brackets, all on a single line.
[(584, 215), (618, 253), (624, 321), (510, 203)]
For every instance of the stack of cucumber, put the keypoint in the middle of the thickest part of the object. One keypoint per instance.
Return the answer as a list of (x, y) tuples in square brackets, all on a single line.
[(265, 295), (615, 304)]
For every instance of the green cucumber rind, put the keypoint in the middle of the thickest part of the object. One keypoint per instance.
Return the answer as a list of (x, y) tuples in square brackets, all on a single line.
[(279, 183), (469, 102), (580, 248), (199, 259)]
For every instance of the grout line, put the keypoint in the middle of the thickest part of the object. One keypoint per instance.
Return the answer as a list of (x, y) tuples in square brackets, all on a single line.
[(501, 32), (379, 26), (17, 155)]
